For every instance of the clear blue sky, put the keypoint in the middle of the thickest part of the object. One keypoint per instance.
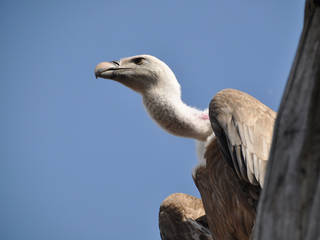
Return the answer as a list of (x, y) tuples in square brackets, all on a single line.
[(80, 158)]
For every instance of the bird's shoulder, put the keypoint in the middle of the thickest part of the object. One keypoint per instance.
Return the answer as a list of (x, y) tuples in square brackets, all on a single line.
[(244, 128)]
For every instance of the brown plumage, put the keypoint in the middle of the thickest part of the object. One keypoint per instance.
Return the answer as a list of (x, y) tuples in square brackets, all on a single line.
[(232, 179), (182, 216), (229, 203), (244, 127)]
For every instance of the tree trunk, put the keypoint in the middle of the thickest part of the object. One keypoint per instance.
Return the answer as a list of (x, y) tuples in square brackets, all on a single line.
[(289, 206)]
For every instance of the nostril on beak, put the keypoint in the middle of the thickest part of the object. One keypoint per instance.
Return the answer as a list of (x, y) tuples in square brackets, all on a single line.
[(116, 63)]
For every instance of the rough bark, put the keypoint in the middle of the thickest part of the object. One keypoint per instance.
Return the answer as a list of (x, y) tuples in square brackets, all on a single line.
[(289, 206)]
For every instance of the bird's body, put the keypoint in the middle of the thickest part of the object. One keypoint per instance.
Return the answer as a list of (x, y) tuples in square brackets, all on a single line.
[(235, 141), (230, 204)]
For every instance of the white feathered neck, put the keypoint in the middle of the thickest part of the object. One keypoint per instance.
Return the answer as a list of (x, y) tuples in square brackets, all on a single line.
[(166, 108)]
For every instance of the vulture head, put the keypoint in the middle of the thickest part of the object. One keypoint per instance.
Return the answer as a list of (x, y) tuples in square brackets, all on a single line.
[(143, 74)]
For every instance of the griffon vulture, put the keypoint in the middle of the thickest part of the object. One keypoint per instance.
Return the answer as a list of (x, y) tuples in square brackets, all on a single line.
[(234, 136)]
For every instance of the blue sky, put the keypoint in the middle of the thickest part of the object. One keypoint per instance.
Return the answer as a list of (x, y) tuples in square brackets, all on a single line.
[(80, 158)]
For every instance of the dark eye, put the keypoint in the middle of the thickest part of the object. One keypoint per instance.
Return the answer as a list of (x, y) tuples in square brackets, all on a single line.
[(138, 60)]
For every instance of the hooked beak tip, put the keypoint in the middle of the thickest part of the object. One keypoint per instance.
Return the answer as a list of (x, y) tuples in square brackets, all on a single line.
[(103, 67)]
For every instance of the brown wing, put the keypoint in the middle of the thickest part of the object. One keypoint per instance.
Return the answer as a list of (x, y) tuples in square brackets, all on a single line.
[(182, 216), (244, 127)]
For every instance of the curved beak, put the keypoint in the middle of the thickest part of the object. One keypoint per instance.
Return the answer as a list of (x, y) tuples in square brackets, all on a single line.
[(106, 69)]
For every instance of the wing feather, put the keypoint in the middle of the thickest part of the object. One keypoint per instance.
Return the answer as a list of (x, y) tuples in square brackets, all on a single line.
[(244, 127)]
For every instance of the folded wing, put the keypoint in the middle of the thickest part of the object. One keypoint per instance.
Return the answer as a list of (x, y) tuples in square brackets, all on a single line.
[(244, 128)]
